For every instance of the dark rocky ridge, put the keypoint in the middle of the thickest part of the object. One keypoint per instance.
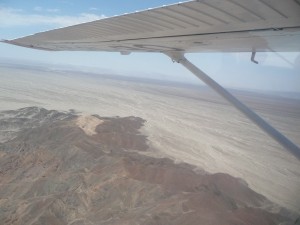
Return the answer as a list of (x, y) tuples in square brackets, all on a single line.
[(13, 121), (51, 172)]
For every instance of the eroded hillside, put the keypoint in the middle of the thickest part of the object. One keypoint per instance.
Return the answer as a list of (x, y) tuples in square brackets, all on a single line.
[(59, 168)]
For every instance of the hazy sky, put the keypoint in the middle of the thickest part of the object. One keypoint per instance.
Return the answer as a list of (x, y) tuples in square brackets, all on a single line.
[(20, 18)]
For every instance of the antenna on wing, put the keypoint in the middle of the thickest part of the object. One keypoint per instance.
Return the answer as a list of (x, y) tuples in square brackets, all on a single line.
[(253, 56)]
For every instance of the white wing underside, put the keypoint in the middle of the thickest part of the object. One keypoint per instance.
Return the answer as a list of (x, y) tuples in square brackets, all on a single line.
[(194, 26)]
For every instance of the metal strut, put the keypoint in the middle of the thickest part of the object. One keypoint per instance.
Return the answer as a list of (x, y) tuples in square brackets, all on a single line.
[(280, 138)]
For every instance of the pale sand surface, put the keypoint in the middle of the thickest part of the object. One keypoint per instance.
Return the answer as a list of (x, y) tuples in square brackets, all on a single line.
[(88, 124), (184, 124)]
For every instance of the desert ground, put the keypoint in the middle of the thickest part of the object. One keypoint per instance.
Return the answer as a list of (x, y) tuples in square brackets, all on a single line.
[(185, 123)]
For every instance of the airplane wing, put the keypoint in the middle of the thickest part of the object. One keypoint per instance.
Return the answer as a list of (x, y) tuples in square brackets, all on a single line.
[(193, 26)]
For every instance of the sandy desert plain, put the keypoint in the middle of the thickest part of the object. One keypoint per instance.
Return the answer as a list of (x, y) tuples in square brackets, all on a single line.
[(183, 122)]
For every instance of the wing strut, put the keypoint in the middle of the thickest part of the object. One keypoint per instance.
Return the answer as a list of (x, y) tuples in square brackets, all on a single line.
[(281, 139)]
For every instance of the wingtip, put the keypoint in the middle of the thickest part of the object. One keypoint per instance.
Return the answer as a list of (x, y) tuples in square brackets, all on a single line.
[(4, 41), (13, 42)]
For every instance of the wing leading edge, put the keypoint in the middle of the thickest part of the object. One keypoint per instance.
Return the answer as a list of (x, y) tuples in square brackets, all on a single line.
[(193, 26)]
